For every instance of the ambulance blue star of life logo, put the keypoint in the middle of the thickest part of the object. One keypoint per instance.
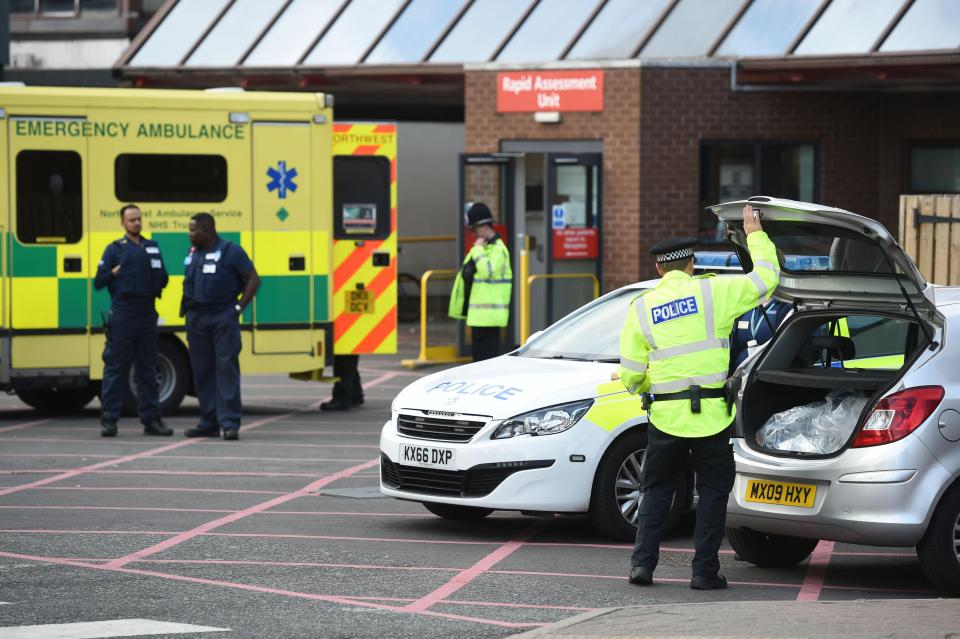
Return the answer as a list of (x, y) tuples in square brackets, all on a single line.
[(281, 179), (675, 309)]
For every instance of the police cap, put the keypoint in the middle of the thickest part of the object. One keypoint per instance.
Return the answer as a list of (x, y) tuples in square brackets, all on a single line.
[(678, 248), (478, 214)]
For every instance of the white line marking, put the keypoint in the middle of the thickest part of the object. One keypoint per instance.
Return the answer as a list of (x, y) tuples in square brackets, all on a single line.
[(99, 629)]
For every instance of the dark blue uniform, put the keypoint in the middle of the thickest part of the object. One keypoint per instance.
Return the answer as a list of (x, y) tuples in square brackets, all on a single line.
[(751, 329), (213, 281), (131, 324)]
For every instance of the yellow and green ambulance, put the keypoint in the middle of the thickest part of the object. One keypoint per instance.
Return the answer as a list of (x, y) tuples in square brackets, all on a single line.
[(261, 163)]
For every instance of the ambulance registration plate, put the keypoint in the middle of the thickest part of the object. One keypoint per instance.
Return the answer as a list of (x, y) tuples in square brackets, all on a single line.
[(358, 302), (781, 493), (426, 456)]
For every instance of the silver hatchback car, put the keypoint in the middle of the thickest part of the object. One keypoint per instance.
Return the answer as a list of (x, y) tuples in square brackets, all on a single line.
[(848, 422)]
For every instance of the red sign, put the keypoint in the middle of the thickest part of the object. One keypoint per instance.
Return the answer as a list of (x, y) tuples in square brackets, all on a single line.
[(526, 91), (575, 244)]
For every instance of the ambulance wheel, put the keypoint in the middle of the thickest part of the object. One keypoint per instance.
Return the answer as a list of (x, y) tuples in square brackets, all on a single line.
[(457, 513), (173, 380), (615, 502), (58, 400), (939, 550), (769, 551)]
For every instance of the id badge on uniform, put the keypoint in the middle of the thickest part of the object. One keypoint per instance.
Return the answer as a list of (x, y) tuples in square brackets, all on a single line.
[(752, 347), (209, 268), (743, 325), (156, 264)]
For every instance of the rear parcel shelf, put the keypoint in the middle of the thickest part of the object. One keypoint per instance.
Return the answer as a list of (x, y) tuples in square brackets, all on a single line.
[(849, 378)]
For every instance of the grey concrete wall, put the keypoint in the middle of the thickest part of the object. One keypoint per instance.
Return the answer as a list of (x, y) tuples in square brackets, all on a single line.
[(427, 174)]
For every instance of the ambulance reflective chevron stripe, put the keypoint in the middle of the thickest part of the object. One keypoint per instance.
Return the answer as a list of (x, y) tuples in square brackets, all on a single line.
[(369, 325)]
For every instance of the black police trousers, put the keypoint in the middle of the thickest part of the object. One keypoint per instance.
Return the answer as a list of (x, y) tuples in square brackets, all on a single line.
[(131, 338), (664, 464), (486, 342)]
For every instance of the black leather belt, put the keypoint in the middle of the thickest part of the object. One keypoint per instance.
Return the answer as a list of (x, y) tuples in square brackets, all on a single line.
[(694, 394)]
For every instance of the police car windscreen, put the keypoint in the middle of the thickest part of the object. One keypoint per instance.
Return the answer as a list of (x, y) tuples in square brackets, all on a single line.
[(592, 333)]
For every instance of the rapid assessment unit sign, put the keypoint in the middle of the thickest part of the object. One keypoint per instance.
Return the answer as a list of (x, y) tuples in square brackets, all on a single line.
[(529, 91)]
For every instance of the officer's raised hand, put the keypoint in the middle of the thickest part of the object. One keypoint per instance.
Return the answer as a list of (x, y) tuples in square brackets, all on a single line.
[(751, 219)]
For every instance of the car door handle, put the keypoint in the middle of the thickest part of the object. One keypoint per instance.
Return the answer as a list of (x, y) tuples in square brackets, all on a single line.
[(72, 264)]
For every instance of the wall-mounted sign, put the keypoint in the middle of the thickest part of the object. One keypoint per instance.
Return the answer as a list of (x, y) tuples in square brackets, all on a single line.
[(526, 91), (559, 217), (576, 244)]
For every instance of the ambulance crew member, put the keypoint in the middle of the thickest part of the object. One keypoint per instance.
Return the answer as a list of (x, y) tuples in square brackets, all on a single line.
[(132, 270), (674, 349), (755, 327), (481, 291), (216, 272)]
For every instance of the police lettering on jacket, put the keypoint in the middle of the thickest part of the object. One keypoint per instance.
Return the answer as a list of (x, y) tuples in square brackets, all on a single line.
[(675, 309)]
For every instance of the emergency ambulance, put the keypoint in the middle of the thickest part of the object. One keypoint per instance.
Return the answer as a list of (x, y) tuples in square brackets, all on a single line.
[(313, 202), (542, 429)]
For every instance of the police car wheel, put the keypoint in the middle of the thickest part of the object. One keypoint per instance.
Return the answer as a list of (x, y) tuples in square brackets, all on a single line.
[(173, 379), (939, 550), (58, 400), (769, 551), (615, 501), (457, 513)]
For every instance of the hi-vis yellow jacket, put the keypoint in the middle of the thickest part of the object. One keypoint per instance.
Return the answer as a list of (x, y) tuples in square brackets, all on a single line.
[(481, 292), (677, 335)]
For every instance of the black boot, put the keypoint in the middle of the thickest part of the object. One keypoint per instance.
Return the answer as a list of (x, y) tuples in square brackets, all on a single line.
[(335, 404), (108, 428), (641, 576), (202, 431), (713, 582), (231, 434), (157, 427)]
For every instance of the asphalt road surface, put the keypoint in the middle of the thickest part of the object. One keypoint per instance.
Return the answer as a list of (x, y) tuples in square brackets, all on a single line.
[(284, 534)]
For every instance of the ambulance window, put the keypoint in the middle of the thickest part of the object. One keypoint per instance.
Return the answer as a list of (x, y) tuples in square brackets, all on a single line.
[(170, 178), (49, 197), (361, 197)]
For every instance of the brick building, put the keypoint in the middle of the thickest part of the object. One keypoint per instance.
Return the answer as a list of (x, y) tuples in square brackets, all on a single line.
[(661, 107)]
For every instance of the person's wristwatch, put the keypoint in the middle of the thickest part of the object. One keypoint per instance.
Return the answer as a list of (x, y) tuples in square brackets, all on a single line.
[(239, 308)]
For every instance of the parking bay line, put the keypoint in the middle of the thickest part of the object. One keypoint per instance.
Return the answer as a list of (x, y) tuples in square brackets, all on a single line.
[(274, 591), (294, 513), (37, 422), (816, 572), (122, 460)]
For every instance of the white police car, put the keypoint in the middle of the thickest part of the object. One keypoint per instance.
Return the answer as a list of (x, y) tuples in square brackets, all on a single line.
[(542, 429)]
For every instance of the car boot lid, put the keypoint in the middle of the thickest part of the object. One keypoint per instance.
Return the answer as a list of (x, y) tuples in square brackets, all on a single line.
[(833, 257)]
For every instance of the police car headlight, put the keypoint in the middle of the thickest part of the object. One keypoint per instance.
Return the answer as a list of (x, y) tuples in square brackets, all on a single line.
[(545, 421)]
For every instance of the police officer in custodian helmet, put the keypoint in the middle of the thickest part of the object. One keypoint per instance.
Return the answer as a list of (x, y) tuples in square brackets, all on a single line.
[(675, 350)]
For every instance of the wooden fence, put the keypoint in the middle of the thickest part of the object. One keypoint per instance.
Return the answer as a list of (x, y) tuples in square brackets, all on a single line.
[(930, 234)]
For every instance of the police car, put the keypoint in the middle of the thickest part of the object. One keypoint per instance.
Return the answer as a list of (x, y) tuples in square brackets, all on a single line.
[(542, 429)]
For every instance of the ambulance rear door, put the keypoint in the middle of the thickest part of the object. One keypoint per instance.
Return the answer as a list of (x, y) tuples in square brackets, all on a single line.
[(365, 238), (282, 226), (50, 273)]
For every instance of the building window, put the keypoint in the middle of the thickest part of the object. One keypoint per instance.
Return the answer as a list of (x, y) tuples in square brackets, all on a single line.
[(934, 168), (49, 197), (170, 178), (737, 170), (64, 8)]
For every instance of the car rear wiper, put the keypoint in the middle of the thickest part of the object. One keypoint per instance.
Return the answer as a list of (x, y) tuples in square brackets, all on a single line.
[(570, 359), (607, 360)]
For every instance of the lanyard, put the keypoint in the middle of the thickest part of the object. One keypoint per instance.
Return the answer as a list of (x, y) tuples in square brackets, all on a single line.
[(755, 325)]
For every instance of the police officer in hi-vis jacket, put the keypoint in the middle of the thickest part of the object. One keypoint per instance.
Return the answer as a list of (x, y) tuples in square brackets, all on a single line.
[(675, 350)]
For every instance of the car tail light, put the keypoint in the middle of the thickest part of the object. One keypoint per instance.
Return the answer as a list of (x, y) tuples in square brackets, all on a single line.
[(896, 416)]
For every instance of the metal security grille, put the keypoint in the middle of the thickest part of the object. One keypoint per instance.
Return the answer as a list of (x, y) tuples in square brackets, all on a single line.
[(445, 429)]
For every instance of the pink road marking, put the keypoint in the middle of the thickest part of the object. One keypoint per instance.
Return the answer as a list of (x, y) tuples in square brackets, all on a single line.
[(171, 473), (307, 513), (464, 577), (816, 572), (217, 523), (5, 429), (163, 489), (203, 457), (274, 591), (122, 460)]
